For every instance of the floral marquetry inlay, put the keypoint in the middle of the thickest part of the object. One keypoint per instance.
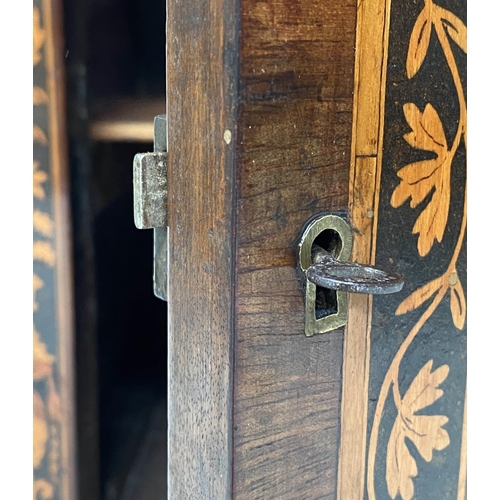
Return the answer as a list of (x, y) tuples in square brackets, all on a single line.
[(425, 185), (419, 179), (425, 431)]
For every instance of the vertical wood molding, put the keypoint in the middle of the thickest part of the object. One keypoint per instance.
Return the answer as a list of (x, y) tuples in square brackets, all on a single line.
[(366, 152), (54, 396), (62, 219), (355, 375), (201, 65)]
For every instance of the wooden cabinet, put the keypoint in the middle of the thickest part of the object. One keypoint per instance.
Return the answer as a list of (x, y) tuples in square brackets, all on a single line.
[(279, 112)]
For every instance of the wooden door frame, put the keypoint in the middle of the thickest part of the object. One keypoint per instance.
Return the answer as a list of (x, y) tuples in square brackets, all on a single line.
[(201, 109)]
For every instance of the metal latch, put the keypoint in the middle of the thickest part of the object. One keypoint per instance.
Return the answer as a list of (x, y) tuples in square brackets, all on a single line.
[(150, 202)]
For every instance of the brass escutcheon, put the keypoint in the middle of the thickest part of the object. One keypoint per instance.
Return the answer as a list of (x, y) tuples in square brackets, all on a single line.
[(341, 250)]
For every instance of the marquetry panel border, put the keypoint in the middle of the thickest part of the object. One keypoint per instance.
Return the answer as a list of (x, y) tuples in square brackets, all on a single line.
[(53, 394), (365, 178), (364, 184)]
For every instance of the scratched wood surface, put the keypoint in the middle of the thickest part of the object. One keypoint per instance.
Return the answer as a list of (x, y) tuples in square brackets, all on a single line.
[(296, 74), (259, 141)]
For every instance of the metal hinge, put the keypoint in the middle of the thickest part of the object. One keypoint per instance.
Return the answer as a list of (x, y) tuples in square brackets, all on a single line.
[(150, 202)]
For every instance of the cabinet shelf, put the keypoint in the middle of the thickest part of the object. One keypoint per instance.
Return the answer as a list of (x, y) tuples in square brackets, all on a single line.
[(125, 119)]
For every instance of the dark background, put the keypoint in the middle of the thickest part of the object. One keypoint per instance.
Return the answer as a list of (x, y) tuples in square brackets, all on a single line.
[(115, 49)]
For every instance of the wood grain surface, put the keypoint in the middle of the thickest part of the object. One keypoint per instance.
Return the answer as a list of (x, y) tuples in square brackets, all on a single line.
[(62, 219), (295, 119), (364, 186), (263, 100), (201, 80), (296, 64)]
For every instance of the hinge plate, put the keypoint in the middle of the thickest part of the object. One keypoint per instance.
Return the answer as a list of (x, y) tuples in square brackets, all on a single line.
[(150, 202)]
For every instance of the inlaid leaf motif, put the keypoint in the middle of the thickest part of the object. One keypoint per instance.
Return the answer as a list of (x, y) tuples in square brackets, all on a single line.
[(425, 180), (425, 431), (39, 135), (427, 131), (42, 490), (421, 178), (458, 305), (38, 36), (419, 41), (419, 296), (453, 25), (39, 177), (40, 430), (43, 361), (39, 96), (43, 223), (43, 252), (400, 466), (46, 411)]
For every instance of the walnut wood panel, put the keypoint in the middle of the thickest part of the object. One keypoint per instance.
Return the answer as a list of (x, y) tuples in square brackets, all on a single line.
[(200, 106), (295, 117)]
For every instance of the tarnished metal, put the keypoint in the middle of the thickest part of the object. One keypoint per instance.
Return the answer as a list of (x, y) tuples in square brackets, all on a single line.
[(161, 243), (328, 272), (160, 259), (150, 190), (150, 202), (339, 237), (324, 251)]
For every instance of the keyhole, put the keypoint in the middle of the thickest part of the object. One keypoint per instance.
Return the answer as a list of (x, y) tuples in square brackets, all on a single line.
[(326, 300), (330, 241)]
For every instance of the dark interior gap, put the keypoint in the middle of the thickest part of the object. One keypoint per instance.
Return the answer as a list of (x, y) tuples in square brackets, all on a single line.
[(326, 300), (115, 52)]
